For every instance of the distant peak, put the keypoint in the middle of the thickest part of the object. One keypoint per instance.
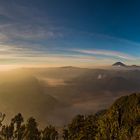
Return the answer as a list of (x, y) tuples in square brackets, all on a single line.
[(68, 67), (119, 64), (135, 66)]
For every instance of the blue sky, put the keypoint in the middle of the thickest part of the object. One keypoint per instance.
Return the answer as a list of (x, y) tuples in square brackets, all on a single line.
[(69, 32)]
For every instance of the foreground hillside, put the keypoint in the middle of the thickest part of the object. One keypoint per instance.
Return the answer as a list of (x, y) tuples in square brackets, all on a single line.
[(120, 122)]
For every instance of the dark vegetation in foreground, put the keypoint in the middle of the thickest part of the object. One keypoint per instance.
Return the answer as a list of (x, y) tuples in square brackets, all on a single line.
[(120, 122)]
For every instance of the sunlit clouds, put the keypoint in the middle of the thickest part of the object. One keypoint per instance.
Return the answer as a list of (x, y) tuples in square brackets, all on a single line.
[(20, 56), (47, 33)]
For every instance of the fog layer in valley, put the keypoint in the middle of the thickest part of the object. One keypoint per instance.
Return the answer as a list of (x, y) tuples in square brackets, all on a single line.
[(55, 95)]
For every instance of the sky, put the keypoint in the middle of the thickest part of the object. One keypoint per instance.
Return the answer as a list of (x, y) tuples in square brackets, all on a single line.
[(69, 32)]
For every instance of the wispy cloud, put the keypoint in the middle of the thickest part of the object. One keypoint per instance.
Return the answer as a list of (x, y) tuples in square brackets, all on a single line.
[(25, 23), (25, 31), (108, 53), (111, 38), (24, 56)]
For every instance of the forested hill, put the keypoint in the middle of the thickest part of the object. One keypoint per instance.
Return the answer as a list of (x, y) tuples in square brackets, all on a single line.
[(120, 122)]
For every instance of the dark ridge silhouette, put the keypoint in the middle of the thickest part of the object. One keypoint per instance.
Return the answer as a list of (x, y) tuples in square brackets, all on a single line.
[(135, 66), (119, 64)]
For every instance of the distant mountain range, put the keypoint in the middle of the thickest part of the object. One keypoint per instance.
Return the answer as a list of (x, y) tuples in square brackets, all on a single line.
[(120, 64)]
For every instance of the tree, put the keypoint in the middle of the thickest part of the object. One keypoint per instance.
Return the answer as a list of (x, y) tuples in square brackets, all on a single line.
[(31, 131), (19, 130), (7, 132), (49, 133), (65, 134), (76, 127), (2, 116)]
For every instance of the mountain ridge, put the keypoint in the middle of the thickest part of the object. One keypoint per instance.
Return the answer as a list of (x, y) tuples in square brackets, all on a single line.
[(119, 64), (119, 122)]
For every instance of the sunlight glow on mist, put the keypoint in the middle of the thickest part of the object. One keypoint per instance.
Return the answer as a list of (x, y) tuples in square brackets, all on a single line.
[(8, 67)]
